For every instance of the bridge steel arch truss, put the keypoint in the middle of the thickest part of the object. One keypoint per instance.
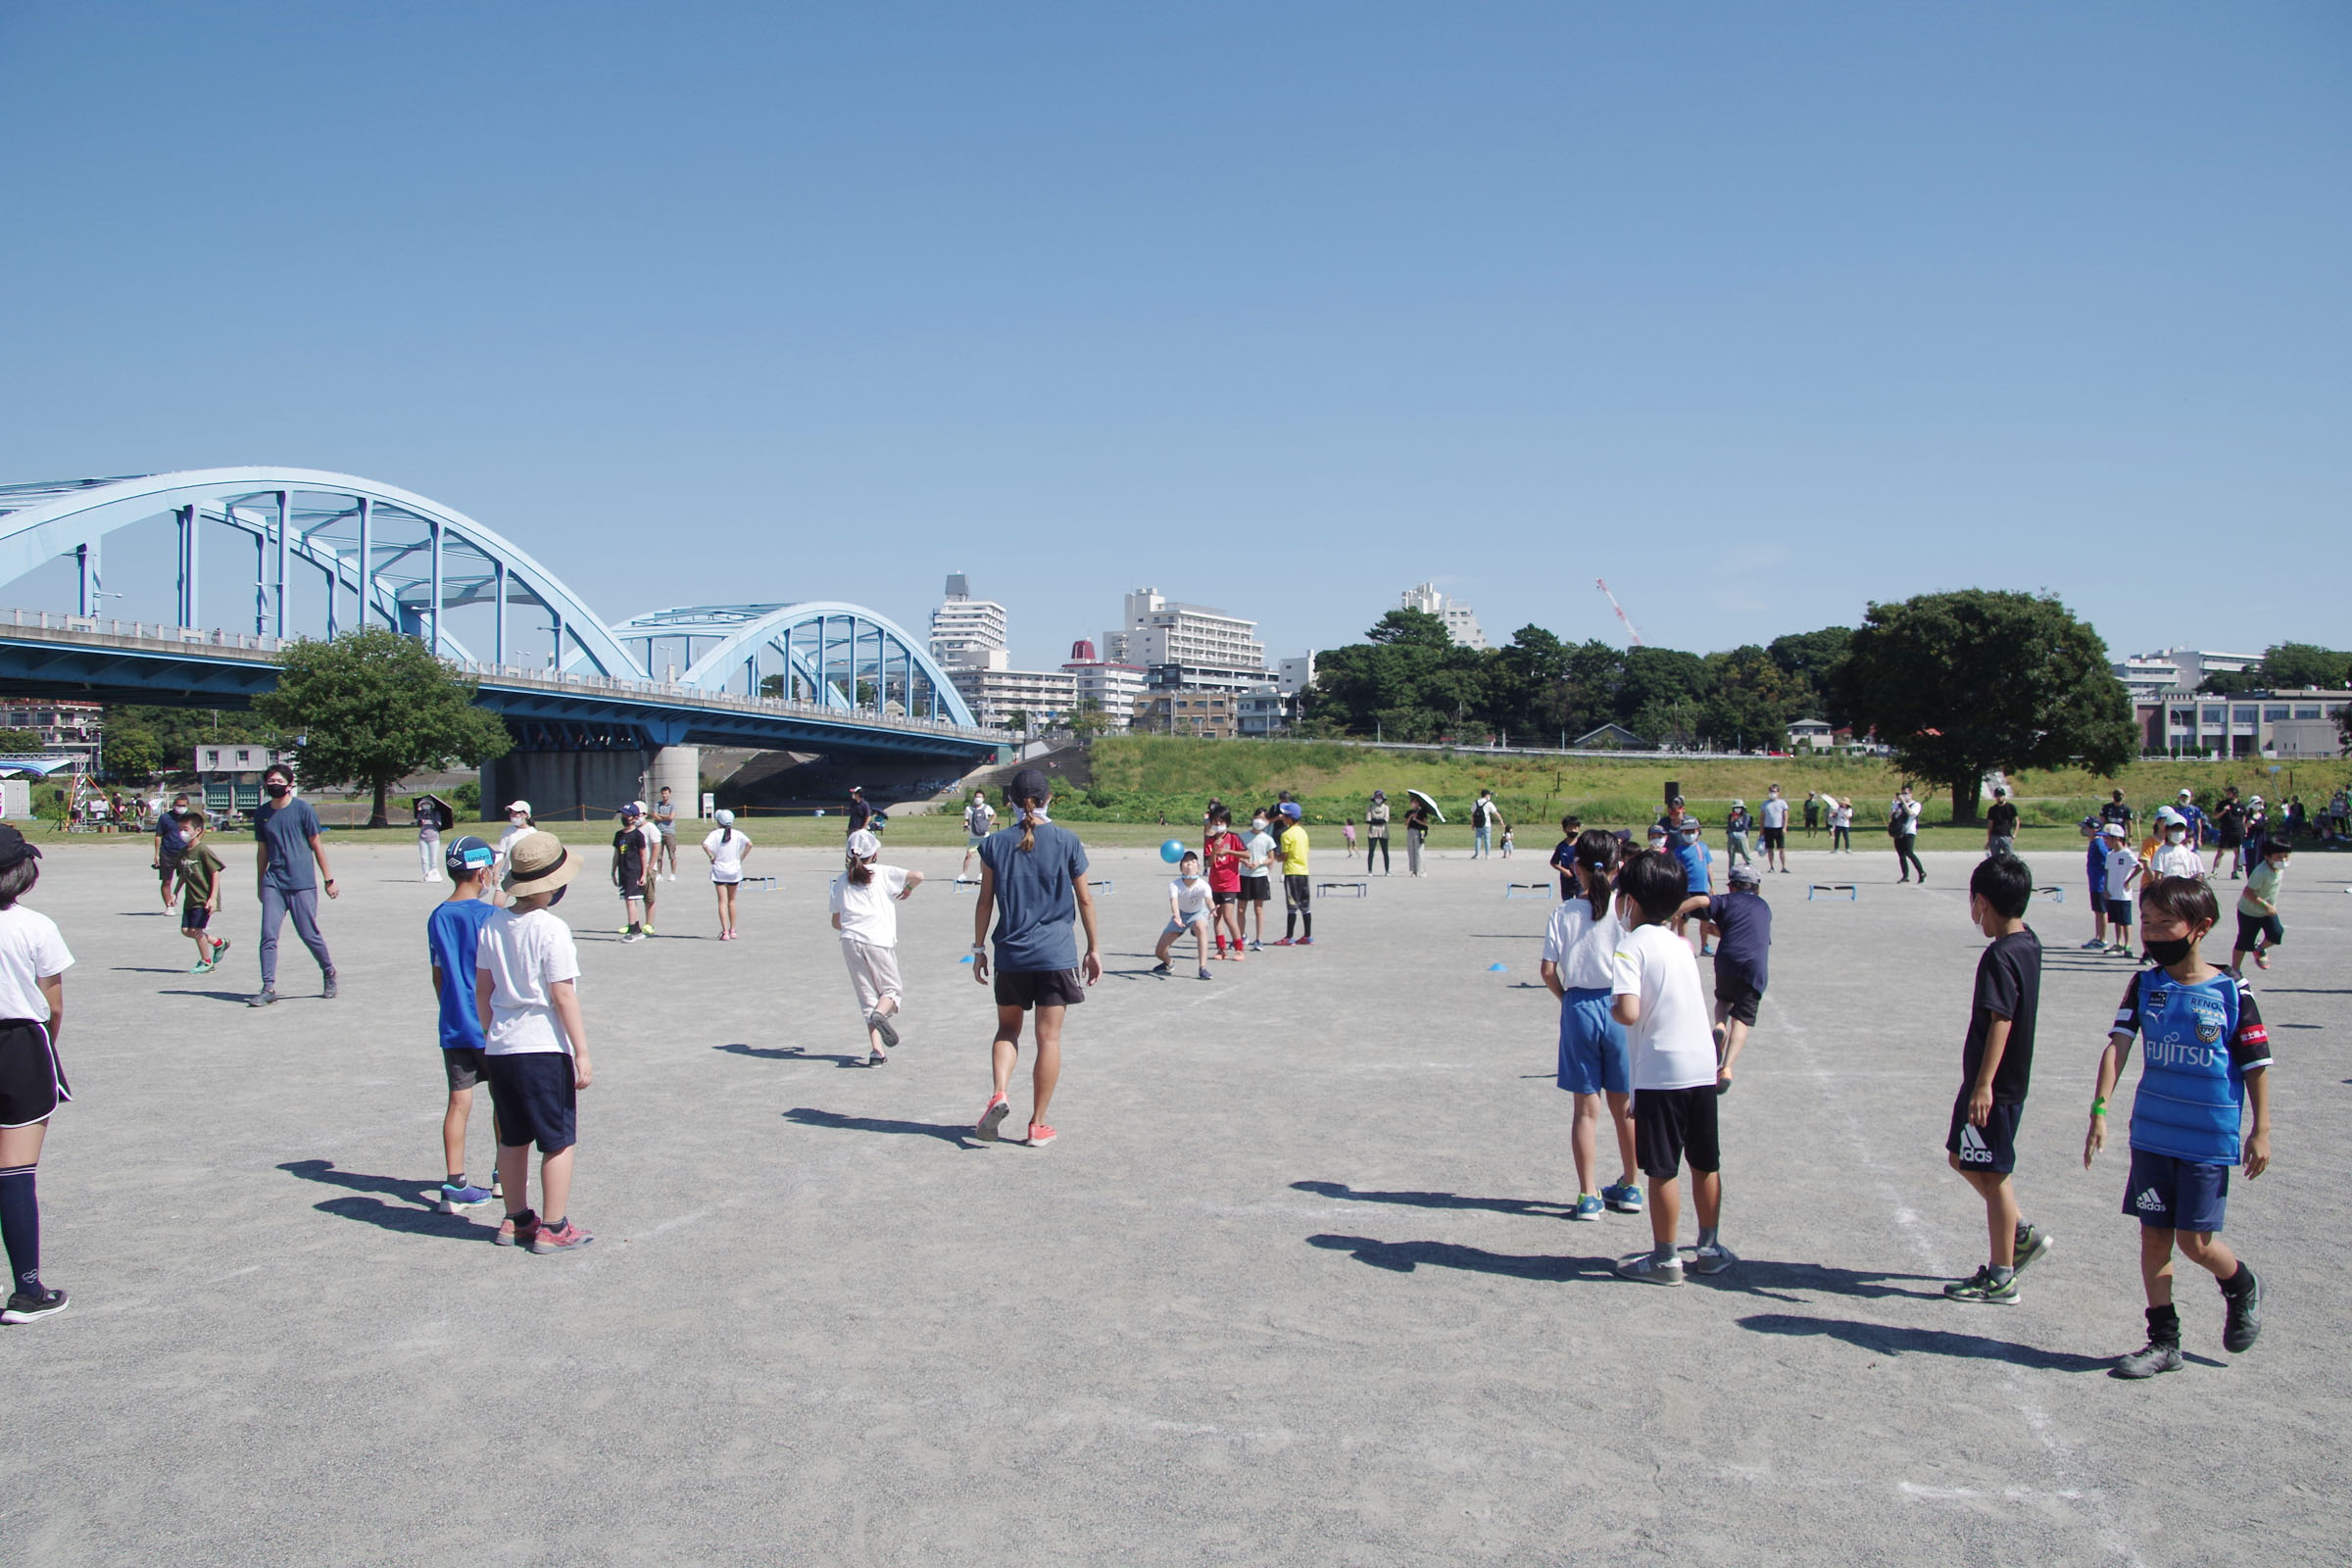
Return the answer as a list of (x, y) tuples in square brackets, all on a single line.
[(837, 656)]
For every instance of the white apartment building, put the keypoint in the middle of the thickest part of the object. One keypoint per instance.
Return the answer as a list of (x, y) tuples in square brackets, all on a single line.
[(1155, 631), (1294, 675), (1047, 695), (2176, 669), (1461, 621), (1109, 685), (968, 633)]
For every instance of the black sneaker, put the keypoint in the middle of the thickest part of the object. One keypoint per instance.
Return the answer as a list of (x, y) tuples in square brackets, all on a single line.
[(327, 991), (2243, 1326), (1984, 1290), (881, 1026), (2157, 1355), (263, 997), (23, 1309)]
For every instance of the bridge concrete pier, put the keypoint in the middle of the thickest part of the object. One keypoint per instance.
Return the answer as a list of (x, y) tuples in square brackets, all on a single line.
[(681, 768), (559, 784)]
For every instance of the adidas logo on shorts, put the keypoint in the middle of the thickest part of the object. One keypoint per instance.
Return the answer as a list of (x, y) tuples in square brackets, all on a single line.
[(2148, 1203), (1972, 1145)]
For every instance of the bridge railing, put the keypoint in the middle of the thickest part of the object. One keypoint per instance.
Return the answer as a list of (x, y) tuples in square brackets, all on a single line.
[(185, 637)]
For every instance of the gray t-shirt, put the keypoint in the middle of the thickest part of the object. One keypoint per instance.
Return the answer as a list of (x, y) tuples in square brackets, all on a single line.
[(1037, 900), (287, 830)]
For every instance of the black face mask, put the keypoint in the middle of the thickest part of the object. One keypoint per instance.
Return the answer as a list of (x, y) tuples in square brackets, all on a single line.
[(2173, 952), (276, 791), (557, 897)]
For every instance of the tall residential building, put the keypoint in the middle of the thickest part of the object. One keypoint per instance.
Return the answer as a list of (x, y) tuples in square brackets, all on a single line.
[(1111, 685), (968, 633), (2176, 669), (1461, 621), (1186, 646), (1046, 696)]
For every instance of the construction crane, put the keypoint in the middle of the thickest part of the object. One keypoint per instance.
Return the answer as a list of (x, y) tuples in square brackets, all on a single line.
[(1631, 633)]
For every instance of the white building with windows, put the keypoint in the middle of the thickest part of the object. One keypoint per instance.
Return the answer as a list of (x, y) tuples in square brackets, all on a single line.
[(2176, 669), (1047, 695), (968, 633), (2285, 725), (1104, 684), (1461, 621), (1202, 646)]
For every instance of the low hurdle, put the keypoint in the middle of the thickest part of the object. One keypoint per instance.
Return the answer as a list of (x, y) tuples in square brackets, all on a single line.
[(1528, 890), (2057, 893), (768, 883), (1358, 890), (1854, 894), (1104, 885)]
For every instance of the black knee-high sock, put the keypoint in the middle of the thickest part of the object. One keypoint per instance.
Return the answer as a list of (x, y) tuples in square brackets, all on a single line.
[(20, 1228), (1307, 921), (1290, 923)]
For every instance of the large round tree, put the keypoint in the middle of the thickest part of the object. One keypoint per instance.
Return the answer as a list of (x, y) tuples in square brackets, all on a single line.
[(372, 706), (1964, 682)]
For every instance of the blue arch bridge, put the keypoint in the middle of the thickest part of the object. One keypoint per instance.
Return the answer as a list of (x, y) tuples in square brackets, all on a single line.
[(234, 561)]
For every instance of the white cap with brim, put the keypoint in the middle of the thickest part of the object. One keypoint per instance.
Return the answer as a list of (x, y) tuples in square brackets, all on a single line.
[(2115, 830), (864, 844), (513, 806)]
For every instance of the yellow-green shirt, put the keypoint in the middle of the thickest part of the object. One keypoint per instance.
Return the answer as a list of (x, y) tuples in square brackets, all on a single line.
[(1294, 851)]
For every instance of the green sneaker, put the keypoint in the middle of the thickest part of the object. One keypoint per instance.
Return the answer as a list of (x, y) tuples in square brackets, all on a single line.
[(2035, 1243), (1982, 1288)]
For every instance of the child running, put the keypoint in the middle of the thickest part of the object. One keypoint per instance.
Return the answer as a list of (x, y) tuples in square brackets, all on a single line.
[(1742, 922), (1033, 879), (453, 938), (2204, 1055), (863, 900), (199, 871), (1297, 900), (2259, 928), (1188, 910), (1657, 998), (535, 1045), (34, 962), (1225, 854), (1996, 1064), (726, 850), (1579, 946)]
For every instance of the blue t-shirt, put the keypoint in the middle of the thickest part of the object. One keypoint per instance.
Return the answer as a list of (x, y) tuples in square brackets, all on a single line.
[(1743, 921), (2095, 861), (171, 837), (1037, 899), (453, 937), (2197, 1044), (287, 830), (1695, 858)]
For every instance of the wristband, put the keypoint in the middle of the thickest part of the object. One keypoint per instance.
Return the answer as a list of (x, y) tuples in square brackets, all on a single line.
[(2098, 1108)]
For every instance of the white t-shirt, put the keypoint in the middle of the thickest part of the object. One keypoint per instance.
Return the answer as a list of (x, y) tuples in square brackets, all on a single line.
[(525, 955), (505, 850), (2120, 865), (31, 947), (726, 853), (1192, 898), (2176, 859), (651, 832), (1841, 816), (979, 819), (869, 913), (1261, 845), (1584, 948), (1905, 816), (1775, 810), (1673, 1044)]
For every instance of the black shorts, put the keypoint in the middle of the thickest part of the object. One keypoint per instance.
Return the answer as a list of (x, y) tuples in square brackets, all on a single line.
[(166, 870), (1295, 893), (1040, 988), (1227, 895), (2119, 912), (466, 1065), (1776, 838), (632, 887), (1738, 997), (33, 1082), (1254, 890), (194, 917), (2252, 927), (1672, 1124), (1991, 1146), (532, 1099)]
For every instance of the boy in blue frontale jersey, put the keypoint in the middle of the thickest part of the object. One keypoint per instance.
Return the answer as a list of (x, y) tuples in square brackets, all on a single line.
[(453, 935), (2204, 1056)]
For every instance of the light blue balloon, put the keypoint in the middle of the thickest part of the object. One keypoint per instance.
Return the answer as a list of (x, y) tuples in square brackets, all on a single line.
[(1172, 851)]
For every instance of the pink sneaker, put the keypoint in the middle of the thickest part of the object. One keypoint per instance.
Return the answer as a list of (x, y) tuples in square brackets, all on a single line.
[(569, 1239), (2261, 960), (999, 1107), (1040, 1135), (517, 1230)]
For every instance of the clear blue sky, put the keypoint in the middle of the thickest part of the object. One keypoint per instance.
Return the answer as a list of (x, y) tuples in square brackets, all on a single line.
[(1760, 312)]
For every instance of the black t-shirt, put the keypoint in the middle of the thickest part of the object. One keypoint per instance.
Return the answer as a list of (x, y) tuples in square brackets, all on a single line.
[(2230, 821), (861, 813), (2008, 986), (2115, 811), (2002, 819), (631, 845)]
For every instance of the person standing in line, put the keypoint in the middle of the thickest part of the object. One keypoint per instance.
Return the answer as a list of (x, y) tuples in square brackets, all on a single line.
[(1225, 854), (628, 873), (1033, 881), (863, 901), (1189, 910), (2200, 826), (652, 836), (1656, 997), (1563, 856), (1416, 833), (1736, 828), (428, 839), (519, 822), (2117, 811), (1258, 876), (1996, 1066), (979, 822), (1376, 832), (453, 938), (534, 1044), (34, 962), (1813, 812), (2123, 869), (726, 850), (286, 833), (1841, 826), (2000, 823), (170, 840), (2094, 868), (1298, 898), (2176, 854), (1484, 818), (200, 894), (2188, 1119), (666, 824), (2259, 928), (1903, 825), (1580, 943), (1776, 830)]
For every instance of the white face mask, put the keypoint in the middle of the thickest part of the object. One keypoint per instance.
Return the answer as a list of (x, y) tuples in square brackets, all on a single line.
[(519, 820), (1257, 824), (2174, 835), (1192, 876)]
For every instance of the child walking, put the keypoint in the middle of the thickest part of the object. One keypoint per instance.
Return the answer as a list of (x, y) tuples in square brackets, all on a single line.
[(1347, 836), (199, 870), (1672, 1051), (1188, 910), (2204, 1056), (2259, 928), (1033, 880), (1742, 922), (1579, 946), (535, 1043), (453, 939), (864, 902), (34, 962), (1997, 1065)]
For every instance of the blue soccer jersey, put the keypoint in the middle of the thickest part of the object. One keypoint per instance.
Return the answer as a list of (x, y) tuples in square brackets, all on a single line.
[(2197, 1044)]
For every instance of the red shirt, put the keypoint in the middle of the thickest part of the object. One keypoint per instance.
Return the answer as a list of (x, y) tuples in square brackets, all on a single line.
[(1225, 854)]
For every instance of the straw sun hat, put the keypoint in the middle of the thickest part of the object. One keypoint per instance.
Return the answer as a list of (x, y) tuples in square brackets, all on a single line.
[(539, 863)]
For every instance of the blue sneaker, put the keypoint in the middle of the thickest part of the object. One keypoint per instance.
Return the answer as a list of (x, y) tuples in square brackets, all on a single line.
[(1588, 1207), (454, 1198), (1623, 1196)]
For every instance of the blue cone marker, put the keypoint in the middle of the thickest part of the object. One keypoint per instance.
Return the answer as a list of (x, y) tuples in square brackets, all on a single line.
[(1499, 968)]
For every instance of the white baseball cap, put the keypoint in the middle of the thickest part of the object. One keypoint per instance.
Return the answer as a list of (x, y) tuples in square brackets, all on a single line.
[(2115, 830), (525, 807), (2184, 795), (862, 843)]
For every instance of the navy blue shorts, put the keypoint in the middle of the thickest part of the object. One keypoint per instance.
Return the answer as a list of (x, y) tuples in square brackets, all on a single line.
[(532, 1101), (2119, 912), (1990, 1148), (2177, 1195), (196, 916)]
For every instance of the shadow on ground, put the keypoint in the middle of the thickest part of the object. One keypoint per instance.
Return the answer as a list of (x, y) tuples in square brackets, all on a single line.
[(791, 1053), (959, 1134), (1890, 1340), (413, 1215), (1403, 1258), (1410, 1199)]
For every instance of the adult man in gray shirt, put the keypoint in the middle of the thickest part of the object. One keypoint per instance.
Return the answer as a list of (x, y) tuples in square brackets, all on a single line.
[(287, 831)]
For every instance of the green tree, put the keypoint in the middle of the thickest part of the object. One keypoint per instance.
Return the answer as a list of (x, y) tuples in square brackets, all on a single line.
[(372, 706), (2286, 666), (1811, 660), (1750, 699), (1089, 720), (1959, 683), (179, 731), (21, 742), (129, 754)]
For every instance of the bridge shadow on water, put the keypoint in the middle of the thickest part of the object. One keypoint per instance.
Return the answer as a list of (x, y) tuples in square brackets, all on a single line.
[(413, 1215)]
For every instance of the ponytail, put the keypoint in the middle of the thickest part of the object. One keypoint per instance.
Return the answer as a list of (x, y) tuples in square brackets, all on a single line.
[(1596, 853), (1034, 803), (858, 872)]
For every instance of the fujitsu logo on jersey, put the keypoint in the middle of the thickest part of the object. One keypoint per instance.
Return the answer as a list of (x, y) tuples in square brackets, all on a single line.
[(2173, 1051)]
